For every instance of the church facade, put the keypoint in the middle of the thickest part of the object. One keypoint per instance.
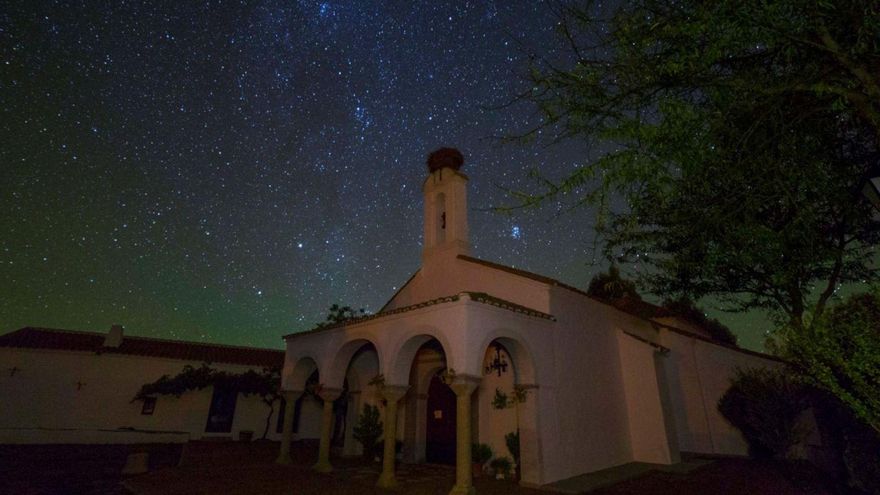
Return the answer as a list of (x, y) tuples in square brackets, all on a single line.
[(469, 351)]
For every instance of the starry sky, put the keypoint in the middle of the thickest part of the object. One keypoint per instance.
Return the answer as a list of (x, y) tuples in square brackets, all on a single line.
[(225, 171)]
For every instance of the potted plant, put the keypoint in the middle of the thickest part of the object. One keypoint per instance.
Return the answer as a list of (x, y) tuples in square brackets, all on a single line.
[(501, 467), (368, 430), (480, 455), (512, 441)]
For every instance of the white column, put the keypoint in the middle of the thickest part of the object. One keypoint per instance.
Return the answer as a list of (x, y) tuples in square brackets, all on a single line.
[(290, 397), (328, 395), (463, 388), (392, 394), (351, 447)]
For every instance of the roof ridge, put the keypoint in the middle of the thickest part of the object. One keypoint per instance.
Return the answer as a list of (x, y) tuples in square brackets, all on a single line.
[(206, 344), (138, 337), (57, 330)]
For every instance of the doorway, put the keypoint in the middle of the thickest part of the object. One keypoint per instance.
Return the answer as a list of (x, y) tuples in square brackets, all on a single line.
[(440, 423)]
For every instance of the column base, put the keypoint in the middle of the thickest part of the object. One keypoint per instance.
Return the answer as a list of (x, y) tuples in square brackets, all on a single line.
[(462, 490), (387, 481), (323, 467)]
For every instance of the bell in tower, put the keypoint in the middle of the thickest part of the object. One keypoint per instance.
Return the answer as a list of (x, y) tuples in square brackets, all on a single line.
[(445, 192)]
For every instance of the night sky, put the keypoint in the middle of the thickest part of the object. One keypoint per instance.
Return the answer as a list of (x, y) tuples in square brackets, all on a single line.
[(225, 171)]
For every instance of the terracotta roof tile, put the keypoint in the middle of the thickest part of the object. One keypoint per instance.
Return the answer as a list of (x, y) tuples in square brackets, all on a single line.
[(68, 340)]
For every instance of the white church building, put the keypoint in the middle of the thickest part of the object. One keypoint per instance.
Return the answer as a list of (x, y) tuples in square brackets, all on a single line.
[(604, 383)]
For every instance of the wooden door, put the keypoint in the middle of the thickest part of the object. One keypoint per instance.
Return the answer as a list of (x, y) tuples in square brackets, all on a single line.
[(440, 427)]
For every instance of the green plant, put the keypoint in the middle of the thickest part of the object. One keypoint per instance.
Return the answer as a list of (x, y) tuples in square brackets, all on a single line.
[(266, 384), (764, 405), (512, 441), (840, 353), (480, 453), (368, 430), (501, 465)]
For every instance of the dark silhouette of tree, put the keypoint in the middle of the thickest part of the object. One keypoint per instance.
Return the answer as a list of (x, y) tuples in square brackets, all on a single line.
[(610, 286), (339, 314), (686, 309), (740, 136)]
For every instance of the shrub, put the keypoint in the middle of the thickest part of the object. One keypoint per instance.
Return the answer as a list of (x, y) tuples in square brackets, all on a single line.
[(368, 430), (501, 465), (480, 453), (512, 441), (764, 405)]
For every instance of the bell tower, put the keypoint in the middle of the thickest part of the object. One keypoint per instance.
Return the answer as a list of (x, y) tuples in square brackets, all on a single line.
[(445, 192)]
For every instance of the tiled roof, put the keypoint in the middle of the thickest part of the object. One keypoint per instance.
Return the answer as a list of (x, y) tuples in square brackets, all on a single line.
[(484, 298), (68, 340), (635, 307), (479, 297)]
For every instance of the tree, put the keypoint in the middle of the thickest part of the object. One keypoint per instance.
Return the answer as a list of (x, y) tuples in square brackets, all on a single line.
[(368, 430), (340, 314), (265, 384), (612, 286), (764, 405), (840, 353), (686, 309), (741, 134)]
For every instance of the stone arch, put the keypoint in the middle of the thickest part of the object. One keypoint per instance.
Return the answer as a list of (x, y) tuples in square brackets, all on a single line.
[(524, 365), (398, 367), (526, 373), (342, 361), (302, 369)]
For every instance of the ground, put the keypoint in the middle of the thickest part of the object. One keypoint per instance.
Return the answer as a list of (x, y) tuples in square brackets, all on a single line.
[(248, 468)]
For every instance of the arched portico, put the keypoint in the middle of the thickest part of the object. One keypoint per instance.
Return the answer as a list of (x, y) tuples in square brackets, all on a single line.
[(359, 360), (294, 383), (518, 382), (403, 351)]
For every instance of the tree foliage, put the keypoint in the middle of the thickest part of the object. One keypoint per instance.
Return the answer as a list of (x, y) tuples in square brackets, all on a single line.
[(368, 430), (686, 309), (840, 353), (740, 135), (764, 405), (339, 314), (610, 286), (265, 384)]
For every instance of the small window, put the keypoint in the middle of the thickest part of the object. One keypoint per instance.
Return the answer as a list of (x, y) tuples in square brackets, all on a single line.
[(149, 406)]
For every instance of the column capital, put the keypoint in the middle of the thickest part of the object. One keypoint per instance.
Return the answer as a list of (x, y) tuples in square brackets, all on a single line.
[(329, 394), (291, 395), (464, 387), (394, 392)]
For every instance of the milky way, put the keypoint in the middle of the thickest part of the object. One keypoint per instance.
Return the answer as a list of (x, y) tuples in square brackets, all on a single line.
[(225, 171)]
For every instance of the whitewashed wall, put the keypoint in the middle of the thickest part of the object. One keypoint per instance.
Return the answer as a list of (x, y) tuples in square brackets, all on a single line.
[(42, 397)]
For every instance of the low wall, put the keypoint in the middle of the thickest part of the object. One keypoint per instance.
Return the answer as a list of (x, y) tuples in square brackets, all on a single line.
[(64, 436)]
